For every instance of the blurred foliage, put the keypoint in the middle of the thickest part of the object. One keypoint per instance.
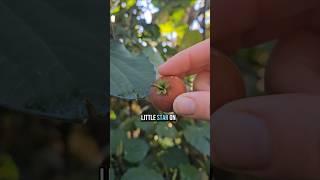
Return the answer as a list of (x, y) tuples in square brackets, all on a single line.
[(47, 49), (8, 168), (32, 148), (154, 30), (252, 63)]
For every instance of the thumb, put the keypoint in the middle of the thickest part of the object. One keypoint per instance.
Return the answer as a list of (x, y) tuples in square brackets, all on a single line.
[(275, 136), (193, 104)]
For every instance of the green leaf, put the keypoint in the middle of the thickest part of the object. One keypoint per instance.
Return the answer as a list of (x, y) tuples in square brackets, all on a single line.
[(153, 55), (163, 130), (178, 15), (181, 31), (151, 31), (145, 125), (8, 168), (130, 76), (121, 31), (128, 124), (113, 115), (190, 38), (140, 173), (162, 16), (135, 150), (115, 10), (157, 3), (166, 142), (185, 122), (167, 27), (52, 61), (189, 172), (151, 161), (199, 138), (117, 139), (173, 157), (130, 3)]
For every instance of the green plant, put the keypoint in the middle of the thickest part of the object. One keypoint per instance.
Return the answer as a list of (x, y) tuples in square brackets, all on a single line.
[(153, 150)]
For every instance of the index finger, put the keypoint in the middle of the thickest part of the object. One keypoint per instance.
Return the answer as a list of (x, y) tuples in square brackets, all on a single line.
[(188, 61)]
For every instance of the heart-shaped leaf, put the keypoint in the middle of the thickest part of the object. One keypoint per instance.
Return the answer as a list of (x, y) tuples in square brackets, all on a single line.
[(135, 150), (199, 137), (173, 157), (130, 76), (163, 130)]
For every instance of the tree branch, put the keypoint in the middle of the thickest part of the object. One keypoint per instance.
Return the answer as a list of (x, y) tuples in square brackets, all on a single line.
[(203, 23)]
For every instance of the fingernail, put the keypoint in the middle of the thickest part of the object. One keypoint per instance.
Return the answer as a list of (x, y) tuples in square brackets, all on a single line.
[(240, 141), (184, 105)]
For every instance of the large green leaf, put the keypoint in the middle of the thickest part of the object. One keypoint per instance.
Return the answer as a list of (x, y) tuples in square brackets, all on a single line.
[(140, 173), (52, 58), (128, 123), (117, 140), (131, 76), (190, 38), (154, 56), (173, 157), (135, 150), (145, 125), (151, 161), (188, 172), (163, 130), (198, 137)]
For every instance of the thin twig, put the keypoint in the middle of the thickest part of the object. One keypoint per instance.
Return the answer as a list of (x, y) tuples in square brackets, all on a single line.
[(113, 31), (203, 23)]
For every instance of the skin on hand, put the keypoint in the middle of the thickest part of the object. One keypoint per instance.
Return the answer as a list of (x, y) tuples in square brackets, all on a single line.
[(194, 60), (227, 82), (277, 135)]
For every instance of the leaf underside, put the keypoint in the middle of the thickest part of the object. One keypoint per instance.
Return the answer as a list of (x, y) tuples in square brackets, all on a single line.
[(52, 58)]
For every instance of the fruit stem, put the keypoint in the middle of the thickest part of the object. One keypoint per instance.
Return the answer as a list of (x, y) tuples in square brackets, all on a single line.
[(162, 88), (157, 86)]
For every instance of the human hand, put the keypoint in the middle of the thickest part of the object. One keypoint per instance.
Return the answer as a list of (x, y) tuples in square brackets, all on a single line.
[(194, 60), (277, 135)]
